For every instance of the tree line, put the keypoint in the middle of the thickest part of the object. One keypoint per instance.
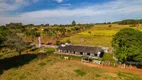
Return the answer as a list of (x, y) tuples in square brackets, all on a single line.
[(10, 34), (129, 22), (57, 31)]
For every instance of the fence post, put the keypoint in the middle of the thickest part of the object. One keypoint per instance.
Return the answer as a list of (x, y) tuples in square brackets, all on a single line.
[(124, 65), (130, 66), (114, 64)]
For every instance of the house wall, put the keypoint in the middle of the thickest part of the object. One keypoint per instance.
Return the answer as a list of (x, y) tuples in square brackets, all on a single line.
[(92, 54), (77, 53)]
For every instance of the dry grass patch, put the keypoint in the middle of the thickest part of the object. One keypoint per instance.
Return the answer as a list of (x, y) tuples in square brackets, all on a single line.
[(52, 68)]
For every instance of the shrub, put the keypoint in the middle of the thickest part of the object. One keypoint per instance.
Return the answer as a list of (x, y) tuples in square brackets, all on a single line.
[(68, 41), (98, 75), (109, 26), (58, 42), (79, 72), (89, 32), (41, 55), (42, 64)]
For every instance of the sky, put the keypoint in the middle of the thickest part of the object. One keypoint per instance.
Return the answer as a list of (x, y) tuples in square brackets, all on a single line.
[(64, 11)]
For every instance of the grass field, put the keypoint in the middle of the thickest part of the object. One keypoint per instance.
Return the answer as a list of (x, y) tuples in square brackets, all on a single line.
[(52, 68), (100, 35)]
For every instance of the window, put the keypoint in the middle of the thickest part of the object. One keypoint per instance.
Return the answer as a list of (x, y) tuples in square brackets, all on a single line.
[(95, 54), (81, 53), (88, 54), (65, 51)]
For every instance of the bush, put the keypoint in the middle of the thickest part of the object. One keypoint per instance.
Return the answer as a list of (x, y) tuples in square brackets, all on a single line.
[(79, 72), (58, 42), (42, 64), (109, 26), (68, 41), (132, 25), (108, 57), (41, 55), (89, 32), (139, 65), (98, 75), (49, 51)]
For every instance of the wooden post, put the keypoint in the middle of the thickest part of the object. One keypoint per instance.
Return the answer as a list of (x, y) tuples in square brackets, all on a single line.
[(130, 66), (108, 63), (102, 63), (114, 64), (124, 65)]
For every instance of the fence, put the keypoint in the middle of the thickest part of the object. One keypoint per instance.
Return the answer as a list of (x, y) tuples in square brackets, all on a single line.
[(108, 63)]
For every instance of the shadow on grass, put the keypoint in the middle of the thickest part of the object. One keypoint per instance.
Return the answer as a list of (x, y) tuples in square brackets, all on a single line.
[(15, 61)]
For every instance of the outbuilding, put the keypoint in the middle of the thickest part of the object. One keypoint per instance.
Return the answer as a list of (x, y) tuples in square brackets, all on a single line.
[(81, 50)]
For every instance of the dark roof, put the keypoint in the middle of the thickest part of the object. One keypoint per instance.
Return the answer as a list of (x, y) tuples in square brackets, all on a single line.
[(80, 48)]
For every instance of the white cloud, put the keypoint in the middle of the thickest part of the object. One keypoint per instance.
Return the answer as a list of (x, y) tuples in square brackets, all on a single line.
[(115, 10), (66, 4), (10, 5), (59, 1), (117, 7)]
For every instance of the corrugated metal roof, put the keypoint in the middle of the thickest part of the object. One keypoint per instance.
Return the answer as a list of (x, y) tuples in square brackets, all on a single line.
[(85, 49)]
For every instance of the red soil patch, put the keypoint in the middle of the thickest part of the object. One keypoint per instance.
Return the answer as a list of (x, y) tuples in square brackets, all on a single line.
[(132, 70)]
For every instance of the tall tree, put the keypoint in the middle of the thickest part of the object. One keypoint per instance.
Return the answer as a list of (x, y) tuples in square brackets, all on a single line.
[(3, 34), (31, 33), (73, 23), (127, 45), (49, 32), (16, 42), (14, 26)]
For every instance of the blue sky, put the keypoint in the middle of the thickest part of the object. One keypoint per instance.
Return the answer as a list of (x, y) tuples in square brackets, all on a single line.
[(64, 11)]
